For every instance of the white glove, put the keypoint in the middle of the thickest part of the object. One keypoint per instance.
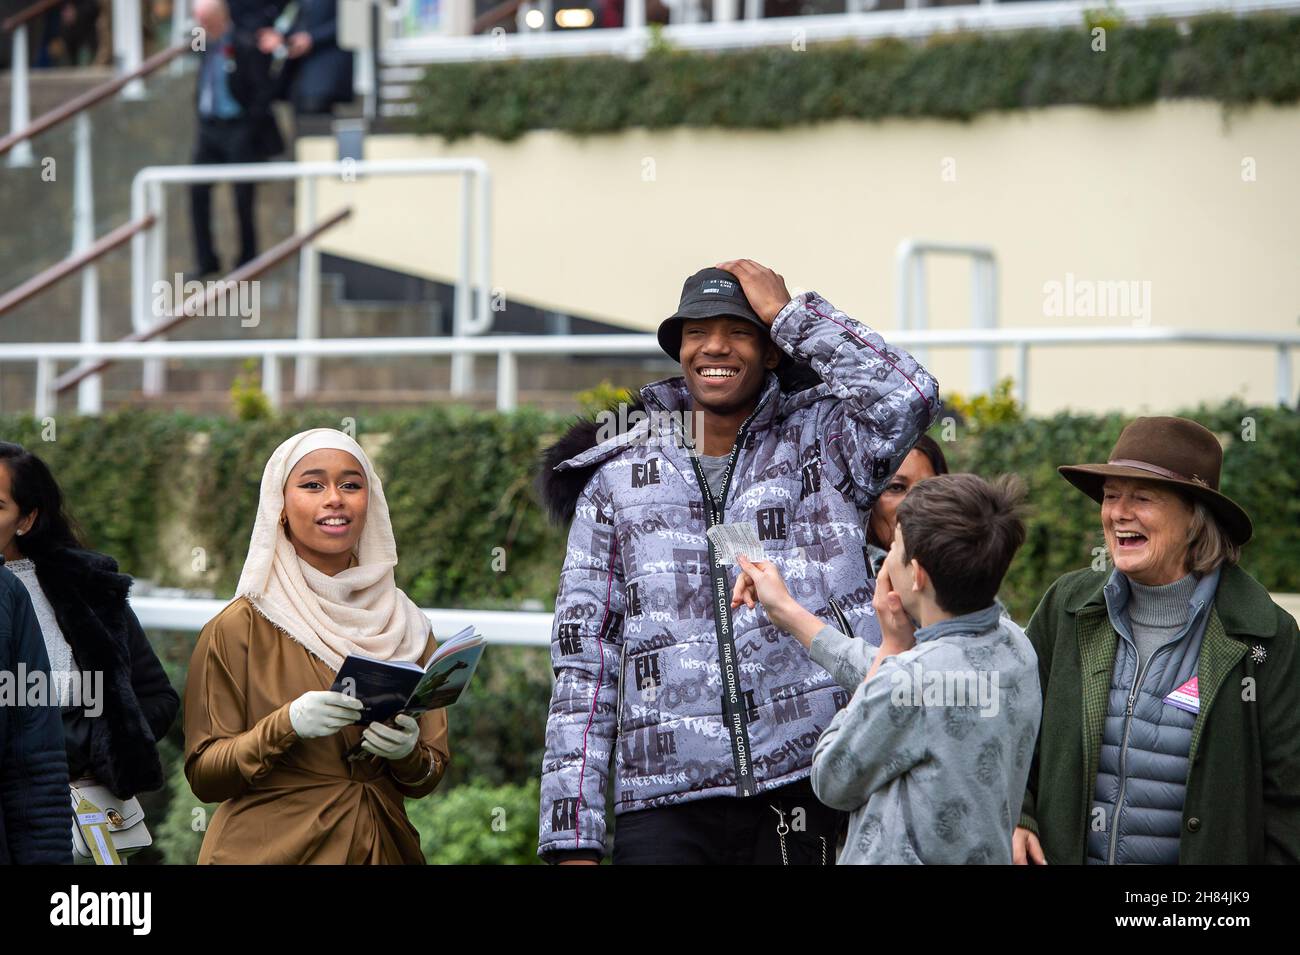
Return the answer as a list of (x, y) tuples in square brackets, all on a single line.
[(391, 742), (323, 713)]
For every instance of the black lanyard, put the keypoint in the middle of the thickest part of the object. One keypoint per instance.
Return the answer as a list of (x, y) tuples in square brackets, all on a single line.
[(733, 708)]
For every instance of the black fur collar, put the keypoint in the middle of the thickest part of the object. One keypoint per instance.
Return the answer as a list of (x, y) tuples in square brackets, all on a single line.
[(560, 490)]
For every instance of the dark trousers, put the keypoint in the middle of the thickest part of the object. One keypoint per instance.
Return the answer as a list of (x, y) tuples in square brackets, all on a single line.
[(731, 830), (223, 141)]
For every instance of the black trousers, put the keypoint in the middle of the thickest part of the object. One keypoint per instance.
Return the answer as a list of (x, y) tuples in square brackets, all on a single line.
[(223, 141), (731, 830)]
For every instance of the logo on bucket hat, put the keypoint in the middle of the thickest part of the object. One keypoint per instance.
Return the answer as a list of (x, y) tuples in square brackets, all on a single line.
[(709, 293)]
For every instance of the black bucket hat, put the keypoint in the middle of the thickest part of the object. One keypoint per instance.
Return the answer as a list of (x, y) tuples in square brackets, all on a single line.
[(709, 293)]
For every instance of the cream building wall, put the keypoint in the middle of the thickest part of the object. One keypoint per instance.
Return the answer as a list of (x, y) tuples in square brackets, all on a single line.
[(1200, 210)]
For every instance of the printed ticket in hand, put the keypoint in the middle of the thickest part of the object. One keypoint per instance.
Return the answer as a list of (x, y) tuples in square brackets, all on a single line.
[(732, 540)]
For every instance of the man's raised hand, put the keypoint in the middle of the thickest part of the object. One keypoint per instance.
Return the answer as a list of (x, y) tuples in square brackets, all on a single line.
[(765, 289)]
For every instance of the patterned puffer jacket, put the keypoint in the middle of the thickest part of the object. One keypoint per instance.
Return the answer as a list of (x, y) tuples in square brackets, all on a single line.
[(690, 699)]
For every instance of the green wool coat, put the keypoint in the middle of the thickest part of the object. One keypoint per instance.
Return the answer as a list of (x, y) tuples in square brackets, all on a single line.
[(1243, 784)]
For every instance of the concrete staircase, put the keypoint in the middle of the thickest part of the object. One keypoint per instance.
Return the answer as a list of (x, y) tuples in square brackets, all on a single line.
[(355, 300)]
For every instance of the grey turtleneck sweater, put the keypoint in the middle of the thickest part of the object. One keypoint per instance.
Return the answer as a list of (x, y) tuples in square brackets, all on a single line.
[(1158, 614)]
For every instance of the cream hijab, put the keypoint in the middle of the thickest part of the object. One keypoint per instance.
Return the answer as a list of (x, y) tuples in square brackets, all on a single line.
[(358, 610)]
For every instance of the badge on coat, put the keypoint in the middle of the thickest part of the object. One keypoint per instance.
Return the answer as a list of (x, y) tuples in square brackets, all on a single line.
[(1186, 697)]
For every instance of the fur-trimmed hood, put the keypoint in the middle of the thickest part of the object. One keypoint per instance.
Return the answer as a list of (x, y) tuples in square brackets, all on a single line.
[(560, 489)]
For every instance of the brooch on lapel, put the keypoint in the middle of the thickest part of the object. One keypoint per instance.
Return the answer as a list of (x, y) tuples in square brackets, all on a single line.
[(1258, 654)]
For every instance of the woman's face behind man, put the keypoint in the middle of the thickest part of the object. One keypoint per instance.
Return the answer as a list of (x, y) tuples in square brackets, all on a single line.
[(325, 501), (916, 467), (11, 521)]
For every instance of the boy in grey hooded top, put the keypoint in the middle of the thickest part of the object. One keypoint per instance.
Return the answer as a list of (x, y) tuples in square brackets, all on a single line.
[(932, 753)]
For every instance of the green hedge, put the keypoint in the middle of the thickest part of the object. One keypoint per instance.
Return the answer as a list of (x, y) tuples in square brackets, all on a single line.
[(479, 824), (1235, 61), (459, 486), (114, 471)]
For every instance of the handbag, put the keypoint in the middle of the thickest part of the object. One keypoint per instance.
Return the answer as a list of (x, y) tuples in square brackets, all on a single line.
[(125, 819)]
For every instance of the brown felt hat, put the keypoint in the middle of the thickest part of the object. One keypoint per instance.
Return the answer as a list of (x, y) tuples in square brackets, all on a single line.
[(1173, 451)]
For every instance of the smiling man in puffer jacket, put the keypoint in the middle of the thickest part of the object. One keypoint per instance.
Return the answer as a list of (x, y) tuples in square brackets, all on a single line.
[(710, 715)]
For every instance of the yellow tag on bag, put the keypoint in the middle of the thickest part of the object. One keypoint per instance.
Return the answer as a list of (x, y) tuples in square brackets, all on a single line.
[(93, 823)]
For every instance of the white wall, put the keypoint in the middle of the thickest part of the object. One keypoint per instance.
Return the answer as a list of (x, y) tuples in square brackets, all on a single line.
[(608, 226)]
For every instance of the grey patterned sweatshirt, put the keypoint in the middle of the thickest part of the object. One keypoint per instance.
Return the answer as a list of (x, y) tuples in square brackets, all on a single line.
[(932, 753)]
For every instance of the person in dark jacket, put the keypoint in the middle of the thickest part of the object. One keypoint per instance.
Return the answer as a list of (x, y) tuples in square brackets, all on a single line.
[(235, 125), (1171, 686), (35, 812), (80, 604), (318, 73)]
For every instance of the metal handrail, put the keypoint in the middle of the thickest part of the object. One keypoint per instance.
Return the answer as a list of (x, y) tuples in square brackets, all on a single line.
[(191, 307), (74, 263), (506, 348), (27, 14), (91, 97), (525, 628), (619, 344), (472, 313)]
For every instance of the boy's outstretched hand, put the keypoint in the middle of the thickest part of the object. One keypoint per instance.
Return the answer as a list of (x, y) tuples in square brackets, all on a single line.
[(761, 583)]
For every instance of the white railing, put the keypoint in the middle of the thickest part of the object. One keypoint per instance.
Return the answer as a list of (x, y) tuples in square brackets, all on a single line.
[(472, 313), (913, 306), (513, 627), (20, 107), (502, 627), (507, 348), (633, 38)]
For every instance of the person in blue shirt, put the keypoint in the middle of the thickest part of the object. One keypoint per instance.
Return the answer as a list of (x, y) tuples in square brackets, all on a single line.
[(235, 125)]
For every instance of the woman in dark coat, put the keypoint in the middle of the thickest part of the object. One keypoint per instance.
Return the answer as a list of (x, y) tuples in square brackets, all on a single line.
[(1171, 686), (80, 603), (35, 815)]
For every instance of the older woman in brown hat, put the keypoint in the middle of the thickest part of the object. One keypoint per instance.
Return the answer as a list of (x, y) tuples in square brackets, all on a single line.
[(1171, 686)]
